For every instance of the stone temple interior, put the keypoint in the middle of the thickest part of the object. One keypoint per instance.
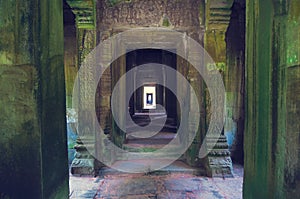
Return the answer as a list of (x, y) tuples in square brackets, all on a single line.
[(58, 123)]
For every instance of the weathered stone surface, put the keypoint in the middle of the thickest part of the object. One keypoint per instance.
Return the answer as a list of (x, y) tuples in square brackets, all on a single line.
[(86, 41), (224, 43), (132, 186), (148, 13), (82, 166), (85, 13), (219, 161), (292, 146), (172, 185), (70, 54), (32, 101), (83, 162), (183, 185), (271, 140)]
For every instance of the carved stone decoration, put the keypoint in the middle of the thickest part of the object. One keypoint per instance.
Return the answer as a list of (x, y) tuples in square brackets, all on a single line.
[(217, 21), (218, 14), (86, 43), (83, 164), (85, 13), (219, 162)]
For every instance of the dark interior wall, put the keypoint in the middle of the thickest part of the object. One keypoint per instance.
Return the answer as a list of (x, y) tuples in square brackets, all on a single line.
[(33, 163), (146, 56), (137, 58), (70, 52), (234, 78)]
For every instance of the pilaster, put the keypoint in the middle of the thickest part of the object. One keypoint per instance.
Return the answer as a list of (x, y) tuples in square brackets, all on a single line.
[(218, 13), (85, 13)]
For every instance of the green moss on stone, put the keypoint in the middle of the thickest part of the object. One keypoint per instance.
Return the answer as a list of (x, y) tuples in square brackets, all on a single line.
[(166, 22)]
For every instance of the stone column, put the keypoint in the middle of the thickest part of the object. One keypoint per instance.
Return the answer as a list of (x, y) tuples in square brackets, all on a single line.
[(33, 141), (289, 76), (217, 20), (197, 84), (83, 164), (272, 73)]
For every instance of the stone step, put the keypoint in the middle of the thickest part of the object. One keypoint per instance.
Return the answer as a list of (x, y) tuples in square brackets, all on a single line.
[(144, 119), (147, 155), (176, 167)]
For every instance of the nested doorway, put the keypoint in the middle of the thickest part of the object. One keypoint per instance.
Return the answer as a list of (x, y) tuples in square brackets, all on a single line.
[(145, 99)]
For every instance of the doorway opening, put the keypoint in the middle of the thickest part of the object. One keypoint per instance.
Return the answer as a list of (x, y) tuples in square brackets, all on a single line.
[(145, 100)]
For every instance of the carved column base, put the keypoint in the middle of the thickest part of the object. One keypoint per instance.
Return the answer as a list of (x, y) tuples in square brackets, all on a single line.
[(84, 163), (82, 167), (219, 163)]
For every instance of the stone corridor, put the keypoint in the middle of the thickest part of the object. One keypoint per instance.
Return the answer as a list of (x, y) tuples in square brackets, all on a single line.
[(174, 185), (66, 58)]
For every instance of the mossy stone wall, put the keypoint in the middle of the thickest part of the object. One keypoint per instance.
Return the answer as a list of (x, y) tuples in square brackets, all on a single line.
[(33, 161), (272, 133)]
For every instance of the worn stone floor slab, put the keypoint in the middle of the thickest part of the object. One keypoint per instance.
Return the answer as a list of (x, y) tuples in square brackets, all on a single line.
[(84, 187), (171, 185), (175, 167)]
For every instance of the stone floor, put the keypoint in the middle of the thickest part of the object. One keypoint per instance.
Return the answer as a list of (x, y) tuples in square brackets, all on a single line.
[(174, 185)]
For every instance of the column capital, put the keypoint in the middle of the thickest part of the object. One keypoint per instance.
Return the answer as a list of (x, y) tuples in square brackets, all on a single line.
[(218, 14), (85, 12)]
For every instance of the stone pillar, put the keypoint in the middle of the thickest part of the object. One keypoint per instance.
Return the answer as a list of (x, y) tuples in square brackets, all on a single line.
[(197, 84), (218, 163), (83, 164), (290, 72), (272, 73), (32, 101)]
